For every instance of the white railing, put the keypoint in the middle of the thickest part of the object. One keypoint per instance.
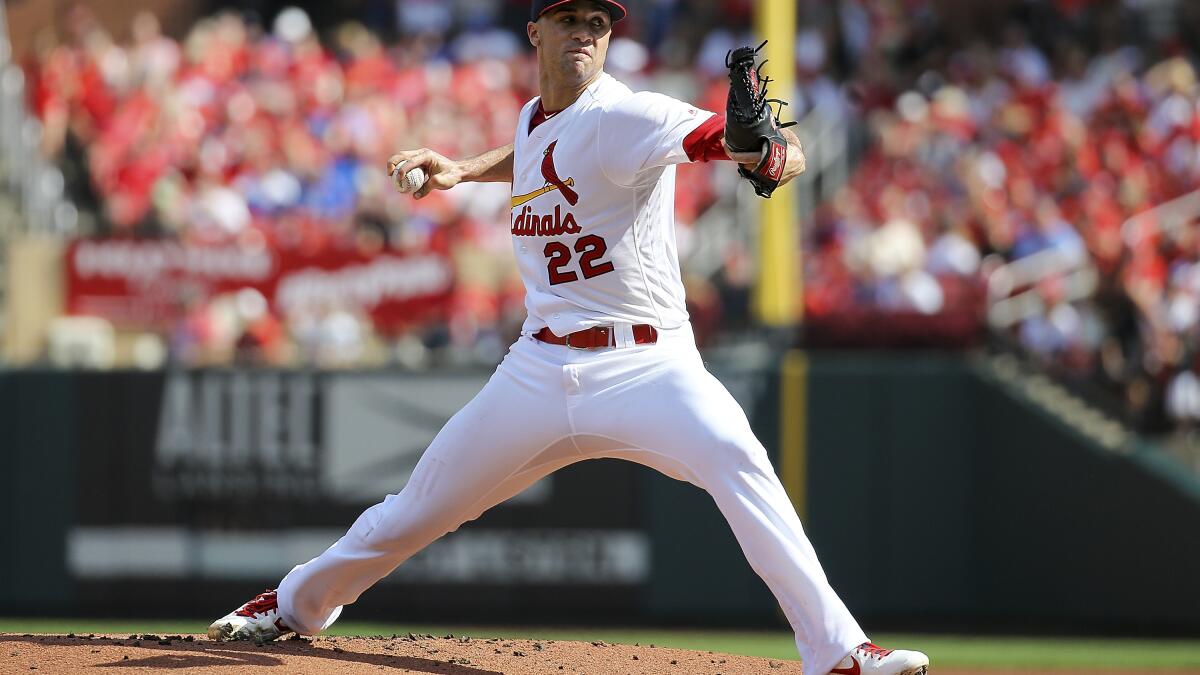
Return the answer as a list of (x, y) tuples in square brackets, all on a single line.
[(7, 220), (1169, 218), (32, 201), (36, 184), (1013, 293), (826, 142)]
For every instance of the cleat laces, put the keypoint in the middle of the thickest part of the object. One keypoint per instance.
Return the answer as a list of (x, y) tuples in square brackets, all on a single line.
[(873, 651), (263, 603)]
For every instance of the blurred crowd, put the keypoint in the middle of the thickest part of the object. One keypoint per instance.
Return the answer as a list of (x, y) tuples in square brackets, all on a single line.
[(1006, 177), (272, 138), (240, 133), (1003, 148)]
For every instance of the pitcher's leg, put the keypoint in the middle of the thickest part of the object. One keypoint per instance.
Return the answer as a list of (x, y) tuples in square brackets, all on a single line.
[(766, 526), (681, 421), (502, 441)]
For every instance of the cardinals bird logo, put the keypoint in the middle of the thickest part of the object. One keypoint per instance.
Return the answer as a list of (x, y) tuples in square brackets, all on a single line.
[(553, 182)]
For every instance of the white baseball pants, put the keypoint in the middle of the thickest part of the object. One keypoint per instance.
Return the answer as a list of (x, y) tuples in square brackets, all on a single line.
[(548, 406)]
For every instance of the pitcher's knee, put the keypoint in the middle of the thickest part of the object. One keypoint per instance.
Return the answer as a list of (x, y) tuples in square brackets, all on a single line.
[(399, 524), (404, 532), (739, 454)]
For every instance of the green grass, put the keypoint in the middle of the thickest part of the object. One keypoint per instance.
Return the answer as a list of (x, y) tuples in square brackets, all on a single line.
[(957, 651)]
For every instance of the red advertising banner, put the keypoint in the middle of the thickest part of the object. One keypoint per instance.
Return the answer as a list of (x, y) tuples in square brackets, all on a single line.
[(149, 283)]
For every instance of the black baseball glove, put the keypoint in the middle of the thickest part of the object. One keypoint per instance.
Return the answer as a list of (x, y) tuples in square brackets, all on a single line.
[(750, 124)]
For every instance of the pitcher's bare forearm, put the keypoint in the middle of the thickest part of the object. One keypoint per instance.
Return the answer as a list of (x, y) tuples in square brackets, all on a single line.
[(493, 166), (796, 161), (442, 173)]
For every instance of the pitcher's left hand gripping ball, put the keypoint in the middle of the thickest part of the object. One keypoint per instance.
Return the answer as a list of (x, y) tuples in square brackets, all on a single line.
[(750, 124)]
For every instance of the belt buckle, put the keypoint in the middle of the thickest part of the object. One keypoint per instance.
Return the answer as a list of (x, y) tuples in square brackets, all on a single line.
[(567, 339)]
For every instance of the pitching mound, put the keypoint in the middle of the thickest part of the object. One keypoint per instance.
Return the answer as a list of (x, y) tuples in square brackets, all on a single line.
[(406, 654)]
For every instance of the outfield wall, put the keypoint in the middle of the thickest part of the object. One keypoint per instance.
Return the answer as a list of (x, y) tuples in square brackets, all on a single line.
[(958, 490), (938, 492)]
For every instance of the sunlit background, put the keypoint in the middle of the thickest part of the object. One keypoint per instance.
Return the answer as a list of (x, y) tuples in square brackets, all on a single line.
[(223, 333)]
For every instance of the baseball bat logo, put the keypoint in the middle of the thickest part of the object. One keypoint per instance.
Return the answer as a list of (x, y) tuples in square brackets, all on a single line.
[(553, 182)]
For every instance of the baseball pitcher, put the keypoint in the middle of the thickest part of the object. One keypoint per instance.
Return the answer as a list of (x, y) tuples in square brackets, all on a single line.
[(606, 365)]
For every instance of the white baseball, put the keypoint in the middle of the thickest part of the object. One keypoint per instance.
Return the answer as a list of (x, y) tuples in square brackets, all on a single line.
[(412, 180)]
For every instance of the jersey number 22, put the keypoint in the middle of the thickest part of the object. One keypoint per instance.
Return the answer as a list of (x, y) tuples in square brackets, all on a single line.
[(590, 249)]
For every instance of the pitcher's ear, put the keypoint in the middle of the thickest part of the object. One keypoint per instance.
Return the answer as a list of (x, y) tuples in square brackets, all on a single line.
[(531, 30)]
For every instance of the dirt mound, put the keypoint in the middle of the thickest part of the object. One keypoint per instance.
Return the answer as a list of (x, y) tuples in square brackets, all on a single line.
[(453, 655), (456, 655)]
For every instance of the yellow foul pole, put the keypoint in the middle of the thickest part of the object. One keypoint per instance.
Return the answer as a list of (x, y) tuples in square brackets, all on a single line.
[(779, 280), (779, 288)]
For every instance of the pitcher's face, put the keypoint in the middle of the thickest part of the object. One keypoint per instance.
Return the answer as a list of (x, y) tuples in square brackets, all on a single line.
[(572, 41)]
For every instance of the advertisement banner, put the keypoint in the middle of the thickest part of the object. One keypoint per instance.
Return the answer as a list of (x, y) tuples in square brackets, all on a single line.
[(201, 484), (150, 283)]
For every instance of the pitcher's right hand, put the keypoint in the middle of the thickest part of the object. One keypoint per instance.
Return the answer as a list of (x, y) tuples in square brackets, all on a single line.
[(442, 173)]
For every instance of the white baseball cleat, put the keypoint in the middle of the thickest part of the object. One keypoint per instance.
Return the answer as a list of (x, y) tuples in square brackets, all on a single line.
[(868, 659), (257, 620)]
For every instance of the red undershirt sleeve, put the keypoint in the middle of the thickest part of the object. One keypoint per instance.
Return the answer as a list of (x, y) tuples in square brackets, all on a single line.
[(705, 142)]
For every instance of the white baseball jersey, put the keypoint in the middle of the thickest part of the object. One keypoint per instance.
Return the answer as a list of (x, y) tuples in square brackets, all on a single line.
[(593, 230), (593, 209)]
